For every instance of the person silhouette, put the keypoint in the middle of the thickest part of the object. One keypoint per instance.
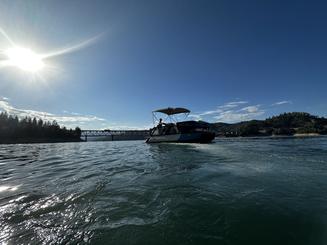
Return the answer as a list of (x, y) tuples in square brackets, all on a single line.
[(160, 122), (160, 125)]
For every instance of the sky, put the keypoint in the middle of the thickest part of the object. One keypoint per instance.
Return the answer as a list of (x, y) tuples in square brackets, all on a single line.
[(109, 64)]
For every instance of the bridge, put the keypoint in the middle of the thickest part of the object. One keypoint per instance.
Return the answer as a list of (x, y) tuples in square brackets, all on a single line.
[(115, 134)]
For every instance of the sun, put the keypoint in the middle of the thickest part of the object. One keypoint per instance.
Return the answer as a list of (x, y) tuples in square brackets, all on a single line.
[(32, 62), (25, 59)]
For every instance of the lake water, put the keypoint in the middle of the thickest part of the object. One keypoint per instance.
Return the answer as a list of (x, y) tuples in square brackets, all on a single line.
[(234, 191)]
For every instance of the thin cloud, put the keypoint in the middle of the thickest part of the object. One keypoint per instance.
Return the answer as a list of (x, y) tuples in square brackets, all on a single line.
[(232, 112), (251, 109), (237, 102), (232, 104), (71, 120), (282, 102), (242, 114), (6, 36), (238, 116), (206, 113), (73, 48), (195, 116), (222, 108)]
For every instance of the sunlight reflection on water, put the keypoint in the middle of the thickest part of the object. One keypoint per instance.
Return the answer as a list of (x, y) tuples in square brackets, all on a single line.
[(8, 188), (233, 190)]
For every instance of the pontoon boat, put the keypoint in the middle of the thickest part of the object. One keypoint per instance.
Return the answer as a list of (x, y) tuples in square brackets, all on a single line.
[(183, 132)]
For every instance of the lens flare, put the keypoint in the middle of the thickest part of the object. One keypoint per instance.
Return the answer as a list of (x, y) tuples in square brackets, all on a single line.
[(25, 59), (31, 62)]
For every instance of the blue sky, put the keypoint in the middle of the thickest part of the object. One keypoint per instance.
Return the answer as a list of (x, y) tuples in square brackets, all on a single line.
[(224, 60)]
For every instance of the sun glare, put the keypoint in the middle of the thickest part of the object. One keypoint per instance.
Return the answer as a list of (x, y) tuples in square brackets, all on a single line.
[(24, 59), (32, 62)]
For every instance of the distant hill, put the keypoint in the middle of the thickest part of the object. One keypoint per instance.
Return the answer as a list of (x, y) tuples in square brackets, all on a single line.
[(291, 123)]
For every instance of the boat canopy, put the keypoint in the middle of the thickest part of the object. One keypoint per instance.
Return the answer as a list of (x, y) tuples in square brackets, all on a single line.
[(172, 111)]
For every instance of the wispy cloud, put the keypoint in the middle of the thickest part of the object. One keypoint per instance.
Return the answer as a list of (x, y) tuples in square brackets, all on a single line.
[(73, 48), (232, 104), (222, 108), (70, 120), (244, 114), (206, 113), (282, 102), (5, 98), (251, 109), (195, 116), (231, 112)]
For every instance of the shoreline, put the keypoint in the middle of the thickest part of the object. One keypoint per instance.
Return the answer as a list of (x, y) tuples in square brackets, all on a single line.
[(307, 135), (276, 136), (45, 141), (37, 141)]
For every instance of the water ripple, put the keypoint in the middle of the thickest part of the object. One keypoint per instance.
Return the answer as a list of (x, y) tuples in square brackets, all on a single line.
[(262, 191)]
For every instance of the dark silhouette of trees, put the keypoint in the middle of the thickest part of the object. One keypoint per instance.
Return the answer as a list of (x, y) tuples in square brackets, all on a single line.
[(250, 129), (15, 130), (284, 124)]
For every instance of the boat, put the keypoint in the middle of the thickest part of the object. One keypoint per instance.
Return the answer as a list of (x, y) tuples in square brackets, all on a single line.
[(179, 131)]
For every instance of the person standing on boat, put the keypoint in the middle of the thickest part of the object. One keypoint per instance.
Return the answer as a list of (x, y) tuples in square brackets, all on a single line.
[(160, 125)]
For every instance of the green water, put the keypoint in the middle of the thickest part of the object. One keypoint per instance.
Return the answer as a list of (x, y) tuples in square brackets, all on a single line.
[(234, 191)]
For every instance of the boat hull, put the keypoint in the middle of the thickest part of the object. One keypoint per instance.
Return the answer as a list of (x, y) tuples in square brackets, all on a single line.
[(196, 137)]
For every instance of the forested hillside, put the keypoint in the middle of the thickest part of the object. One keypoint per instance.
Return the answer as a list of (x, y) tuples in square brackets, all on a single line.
[(284, 124)]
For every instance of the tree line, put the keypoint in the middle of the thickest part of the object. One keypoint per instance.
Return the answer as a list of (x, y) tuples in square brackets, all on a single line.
[(28, 129), (284, 124)]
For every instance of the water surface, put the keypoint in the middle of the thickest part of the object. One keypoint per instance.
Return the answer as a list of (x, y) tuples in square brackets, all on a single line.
[(234, 191)]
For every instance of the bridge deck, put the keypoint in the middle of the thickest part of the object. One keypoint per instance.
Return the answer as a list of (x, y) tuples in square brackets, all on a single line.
[(115, 134)]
